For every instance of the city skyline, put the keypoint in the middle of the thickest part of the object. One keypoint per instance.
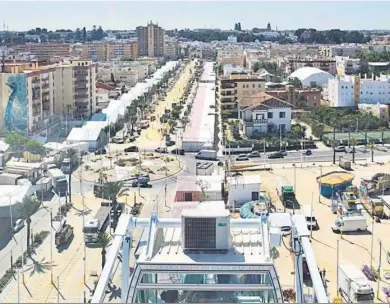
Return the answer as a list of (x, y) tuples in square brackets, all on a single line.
[(201, 14)]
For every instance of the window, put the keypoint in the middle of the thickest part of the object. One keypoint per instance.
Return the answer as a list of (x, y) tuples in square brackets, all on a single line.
[(255, 195), (282, 115), (270, 115), (253, 85), (282, 127)]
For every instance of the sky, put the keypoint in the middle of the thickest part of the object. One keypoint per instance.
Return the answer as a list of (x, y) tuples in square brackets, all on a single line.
[(24, 15)]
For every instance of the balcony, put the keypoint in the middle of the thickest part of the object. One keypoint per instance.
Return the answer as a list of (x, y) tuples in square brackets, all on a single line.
[(228, 86), (227, 101), (80, 101), (45, 85), (260, 121)]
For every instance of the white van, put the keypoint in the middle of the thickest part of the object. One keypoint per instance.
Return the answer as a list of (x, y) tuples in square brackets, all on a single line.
[(310, 217), (350, 223), (206, 154)]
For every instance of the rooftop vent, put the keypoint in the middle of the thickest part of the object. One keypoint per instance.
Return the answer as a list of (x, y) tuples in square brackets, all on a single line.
[(205, 231)]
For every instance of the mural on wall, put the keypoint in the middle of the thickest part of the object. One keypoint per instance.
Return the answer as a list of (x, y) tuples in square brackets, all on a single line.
[(15, 117)]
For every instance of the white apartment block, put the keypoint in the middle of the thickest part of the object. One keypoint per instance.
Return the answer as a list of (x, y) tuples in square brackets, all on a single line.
[(230, 50), (232, 39), (349, 91), (339, 50), (255, 55), (229, 69)]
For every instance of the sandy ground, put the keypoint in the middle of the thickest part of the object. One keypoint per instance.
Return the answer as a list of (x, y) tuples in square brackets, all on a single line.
[(352, 248)]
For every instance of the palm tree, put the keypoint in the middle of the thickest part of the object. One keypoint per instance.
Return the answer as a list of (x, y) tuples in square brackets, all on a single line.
[(353, 143), (104, 240), (113, 190), (372, 147), (27, 208), (71, 154)]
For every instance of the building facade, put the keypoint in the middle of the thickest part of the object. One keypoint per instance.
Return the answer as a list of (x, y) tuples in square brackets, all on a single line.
[(231, 89), (151, 40), (262, 113), (326, 65), (339, 50), (45, 51), (307, 98), (381, 111), (349, 91), (347, 66), (109, 51)]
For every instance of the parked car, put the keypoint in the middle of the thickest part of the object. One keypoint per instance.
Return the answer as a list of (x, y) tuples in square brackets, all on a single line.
[(220, 163), (308, 152), (339, 148), (141, 182), (254, 154), (19, 224), (132, 149), (161, 150), (276, 155), (178, 151), (169, 143), (101, 151), (242, 157)]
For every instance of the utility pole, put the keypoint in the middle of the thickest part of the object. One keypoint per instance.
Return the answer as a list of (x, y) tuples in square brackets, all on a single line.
[(83, 203), (379, 268), (165, 189), (319, 193), (337, 269), (51, 247), (311, 215), (372, 242)]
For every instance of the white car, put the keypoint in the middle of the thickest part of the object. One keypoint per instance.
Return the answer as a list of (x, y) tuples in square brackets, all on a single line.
[(19, 224)]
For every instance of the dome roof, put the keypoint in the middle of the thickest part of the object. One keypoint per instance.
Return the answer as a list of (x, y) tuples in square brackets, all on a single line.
[(305, 72)]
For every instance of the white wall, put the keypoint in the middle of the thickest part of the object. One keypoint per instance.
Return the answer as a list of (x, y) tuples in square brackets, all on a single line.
[(241, 194)]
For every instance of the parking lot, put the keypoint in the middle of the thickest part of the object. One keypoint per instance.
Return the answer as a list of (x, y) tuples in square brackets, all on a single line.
[(353, 248)]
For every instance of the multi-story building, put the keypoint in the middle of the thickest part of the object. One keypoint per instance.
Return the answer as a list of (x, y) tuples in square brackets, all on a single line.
[(150, 40), (109, 51), (27, 98), (263, 113), (230, 89), (347, 66), (382, 40), (255, 55), (349, 91), (229, 69), (381, 111), (339, 50), (229, 50), (45, 51), (307, 98), (326, 65), (75, 83), (171, 50)]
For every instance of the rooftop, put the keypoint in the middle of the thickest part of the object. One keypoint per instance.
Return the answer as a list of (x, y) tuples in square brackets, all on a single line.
[(262, 99)]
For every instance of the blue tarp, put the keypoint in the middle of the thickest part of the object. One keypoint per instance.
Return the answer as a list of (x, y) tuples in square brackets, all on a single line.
[(99, 117)]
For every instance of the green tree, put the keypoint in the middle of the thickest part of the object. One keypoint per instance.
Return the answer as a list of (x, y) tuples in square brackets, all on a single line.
[(113, 190), (27, 208), (256, 67), (34, 146), (295, 82), (372, 147), (353, 143), (104, 241)]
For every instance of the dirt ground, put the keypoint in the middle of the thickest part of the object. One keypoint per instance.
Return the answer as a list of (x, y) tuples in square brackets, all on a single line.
[(353, 248)]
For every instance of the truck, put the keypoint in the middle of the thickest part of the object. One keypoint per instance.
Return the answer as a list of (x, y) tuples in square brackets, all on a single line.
[(60, 184), (206, 154), (350, 224), (63, 235), (353, 286), (44, 187), (65, 166), (285, 191), (97, 225)]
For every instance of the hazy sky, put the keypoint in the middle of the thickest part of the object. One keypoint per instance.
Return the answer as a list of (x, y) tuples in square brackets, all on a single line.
[(24, 15)]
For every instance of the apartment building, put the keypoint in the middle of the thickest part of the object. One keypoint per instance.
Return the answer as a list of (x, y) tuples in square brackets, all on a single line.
[(75, 83), (253, 56), (229, 50), (347, 66), (326, 65), (172, 50), (382, 40), (230, 89), (339, 50), (263, 113), (151, 40), (307, 98), (350, 91), (381, 111), (109, 51), (45, 51), (27, 98)]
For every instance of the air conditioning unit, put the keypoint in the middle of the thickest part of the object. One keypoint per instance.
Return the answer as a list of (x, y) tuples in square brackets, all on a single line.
[(206, 231)]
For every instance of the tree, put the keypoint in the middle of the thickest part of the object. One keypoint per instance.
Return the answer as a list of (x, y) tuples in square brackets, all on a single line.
[(204, 186), (296, 82), (256, 67), (84, 32), (113, 190), (104, 241), (78, 35), (34, 146), (27, 208), (71, 154), (353, 143), (372, 147)]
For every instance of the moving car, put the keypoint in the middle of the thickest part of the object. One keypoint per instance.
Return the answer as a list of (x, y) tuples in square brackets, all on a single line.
[(275, 155), (101, 151), (339, 148), (283, 152), (254, 154), (161, 150), (308, 152), (242, 157), (132, 149), (169, 143), (178, 151), (19, 224), (350, 150)]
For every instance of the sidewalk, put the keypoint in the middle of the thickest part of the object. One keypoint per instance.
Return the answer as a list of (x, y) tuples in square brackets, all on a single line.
[(67, 265)]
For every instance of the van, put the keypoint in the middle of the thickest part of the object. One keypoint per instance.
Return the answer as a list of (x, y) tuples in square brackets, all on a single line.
[(206, 154), (310, 217), (350, 224)]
